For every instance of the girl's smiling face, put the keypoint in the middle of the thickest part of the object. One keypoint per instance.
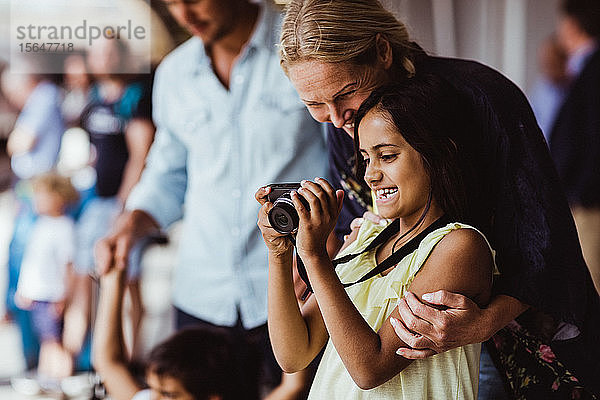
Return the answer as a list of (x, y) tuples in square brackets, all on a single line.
[(394, 170)]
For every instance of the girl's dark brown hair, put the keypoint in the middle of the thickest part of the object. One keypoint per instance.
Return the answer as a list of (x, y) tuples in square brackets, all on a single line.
[(424, 110)]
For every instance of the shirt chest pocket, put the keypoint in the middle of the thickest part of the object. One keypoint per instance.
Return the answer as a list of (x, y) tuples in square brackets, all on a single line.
[(190, 123), (206, 138), (279, 122)]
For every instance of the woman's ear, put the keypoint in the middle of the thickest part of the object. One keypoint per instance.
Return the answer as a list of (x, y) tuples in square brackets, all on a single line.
[(384, 51)]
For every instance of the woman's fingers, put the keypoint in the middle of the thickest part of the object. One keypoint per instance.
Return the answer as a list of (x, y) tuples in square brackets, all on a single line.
[(413, 323), (372, 217), (412, 339), (356, 224), (415, 354)]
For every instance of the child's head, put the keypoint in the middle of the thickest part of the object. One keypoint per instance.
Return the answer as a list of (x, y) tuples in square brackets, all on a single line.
[(53, 193), (405, 132), (108, 58), (194, 364)]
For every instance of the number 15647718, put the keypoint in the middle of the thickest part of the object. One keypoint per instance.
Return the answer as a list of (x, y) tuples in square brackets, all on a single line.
[(45, 47)]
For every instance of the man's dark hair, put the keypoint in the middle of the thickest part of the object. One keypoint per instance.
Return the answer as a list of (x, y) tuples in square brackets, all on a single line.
[(201, 359), (586, 13), (423, 109)]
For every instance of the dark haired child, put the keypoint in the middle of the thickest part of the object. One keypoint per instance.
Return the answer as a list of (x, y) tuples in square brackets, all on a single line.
[(193, 364)]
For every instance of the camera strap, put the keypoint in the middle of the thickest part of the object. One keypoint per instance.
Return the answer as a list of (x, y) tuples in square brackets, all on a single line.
[(301, 271), (397, 255), (393, 259)]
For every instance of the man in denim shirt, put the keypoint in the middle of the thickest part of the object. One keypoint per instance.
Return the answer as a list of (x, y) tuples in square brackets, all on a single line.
[(228, 122)]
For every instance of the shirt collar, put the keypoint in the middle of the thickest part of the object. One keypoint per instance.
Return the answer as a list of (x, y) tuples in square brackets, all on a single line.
[(264, 32), (263, 36)]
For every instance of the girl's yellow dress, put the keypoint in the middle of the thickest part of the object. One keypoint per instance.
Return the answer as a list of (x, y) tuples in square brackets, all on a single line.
[(450, 375)]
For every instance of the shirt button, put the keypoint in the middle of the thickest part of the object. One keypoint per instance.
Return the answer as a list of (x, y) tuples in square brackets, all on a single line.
[(236, 193), (239, 79), (235, 231)]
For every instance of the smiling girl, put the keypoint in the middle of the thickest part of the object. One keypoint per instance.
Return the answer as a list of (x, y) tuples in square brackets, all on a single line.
[(403, 137)]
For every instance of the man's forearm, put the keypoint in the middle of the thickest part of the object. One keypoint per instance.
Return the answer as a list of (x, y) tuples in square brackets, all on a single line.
[(501, 310)]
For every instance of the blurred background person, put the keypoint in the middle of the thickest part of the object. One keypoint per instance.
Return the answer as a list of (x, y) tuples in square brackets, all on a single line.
[(76, 85), (33, 147), (118, 121), (8, 116), (575, 136), (228, 121), (550, 88), (45, 277), (34, 143)]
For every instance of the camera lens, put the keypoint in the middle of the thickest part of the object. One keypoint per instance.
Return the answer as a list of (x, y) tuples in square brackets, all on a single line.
[(282, 219), (283, 216)]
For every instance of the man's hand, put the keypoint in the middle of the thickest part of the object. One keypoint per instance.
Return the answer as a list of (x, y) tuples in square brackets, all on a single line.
[(113, 250), (442, 322)]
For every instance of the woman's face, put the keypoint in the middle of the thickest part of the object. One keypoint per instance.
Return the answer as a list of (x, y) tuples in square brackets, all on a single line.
[(333, 92), (394, 170)]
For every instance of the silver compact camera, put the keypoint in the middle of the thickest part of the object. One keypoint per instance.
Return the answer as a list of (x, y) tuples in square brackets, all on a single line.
[(283, 216)]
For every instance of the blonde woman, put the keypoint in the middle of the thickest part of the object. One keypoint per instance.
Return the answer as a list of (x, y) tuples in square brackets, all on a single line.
[(335, 52)]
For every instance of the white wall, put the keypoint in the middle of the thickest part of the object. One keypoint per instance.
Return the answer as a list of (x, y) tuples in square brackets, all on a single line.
[(503, 34)]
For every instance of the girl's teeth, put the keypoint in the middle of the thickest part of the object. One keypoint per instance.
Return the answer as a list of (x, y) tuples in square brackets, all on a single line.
[(385, 193)]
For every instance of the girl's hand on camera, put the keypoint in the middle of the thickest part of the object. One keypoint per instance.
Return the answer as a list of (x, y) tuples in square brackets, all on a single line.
[(317, 222), (277, 243)]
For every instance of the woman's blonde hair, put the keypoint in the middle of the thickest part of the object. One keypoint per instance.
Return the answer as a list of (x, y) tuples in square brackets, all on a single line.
[(334, 31)]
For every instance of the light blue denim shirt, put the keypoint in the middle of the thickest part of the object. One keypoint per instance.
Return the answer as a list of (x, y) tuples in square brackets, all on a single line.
[(213, 149), (40, 117)]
